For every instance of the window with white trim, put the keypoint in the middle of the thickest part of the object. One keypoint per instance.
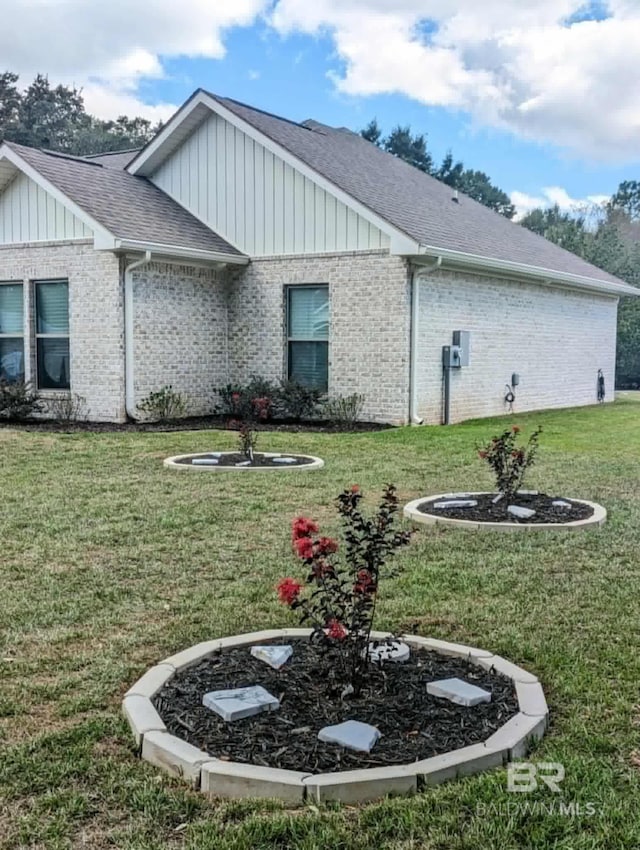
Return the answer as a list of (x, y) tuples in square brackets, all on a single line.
[(308, 335), (11, 331), (52, 334)]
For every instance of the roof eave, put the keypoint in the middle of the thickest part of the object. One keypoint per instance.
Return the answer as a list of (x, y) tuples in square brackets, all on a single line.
[(180, 252), (522, 270)]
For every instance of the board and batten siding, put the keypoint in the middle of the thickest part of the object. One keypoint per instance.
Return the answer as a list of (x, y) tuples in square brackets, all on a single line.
[(29, 214), (257, 201)]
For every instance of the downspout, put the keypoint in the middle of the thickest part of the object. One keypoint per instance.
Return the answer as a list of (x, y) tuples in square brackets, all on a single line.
[(414, 418), (129, 367)]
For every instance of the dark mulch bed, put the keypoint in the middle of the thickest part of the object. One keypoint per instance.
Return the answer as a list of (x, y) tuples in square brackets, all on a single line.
[(486, 511), (414, 725), (231, 459), (193, 423)]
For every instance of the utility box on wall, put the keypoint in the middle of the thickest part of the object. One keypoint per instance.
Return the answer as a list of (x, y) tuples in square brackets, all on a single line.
[(461, 341)]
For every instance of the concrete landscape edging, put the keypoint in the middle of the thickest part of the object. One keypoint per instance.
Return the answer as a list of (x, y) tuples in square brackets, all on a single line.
[(174, 463), (410, 511), (235, 780)]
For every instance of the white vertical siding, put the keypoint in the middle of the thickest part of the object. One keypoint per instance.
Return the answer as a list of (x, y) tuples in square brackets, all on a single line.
[(255, 200), (29, 214)]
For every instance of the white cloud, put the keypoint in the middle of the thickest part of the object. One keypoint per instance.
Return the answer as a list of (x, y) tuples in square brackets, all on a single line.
[(109, 47), (513, 65), (510, 64), (549, 197)]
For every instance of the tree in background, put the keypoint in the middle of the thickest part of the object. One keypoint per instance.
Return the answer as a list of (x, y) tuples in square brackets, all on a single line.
[(609, 237), (45, 116), (401, 142)]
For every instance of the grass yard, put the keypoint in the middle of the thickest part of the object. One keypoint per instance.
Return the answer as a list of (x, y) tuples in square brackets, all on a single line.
[(109, 563)]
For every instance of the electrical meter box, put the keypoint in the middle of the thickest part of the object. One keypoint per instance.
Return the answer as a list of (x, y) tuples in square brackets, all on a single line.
[(461, 340)]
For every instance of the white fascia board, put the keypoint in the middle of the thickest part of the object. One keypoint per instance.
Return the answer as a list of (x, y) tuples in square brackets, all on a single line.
[(179, 252), (508, 267), (401, 243), (102, 237)]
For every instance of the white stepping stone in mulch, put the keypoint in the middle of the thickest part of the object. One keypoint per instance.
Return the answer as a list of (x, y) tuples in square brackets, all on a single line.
[(521, 513), (527, 493), (274, 656), (244, 463), (236, 703), (497, 498), (458, 691), (393, 650), (457, 503), (351, 734), (560, 503), (205, 461), (283, 460)]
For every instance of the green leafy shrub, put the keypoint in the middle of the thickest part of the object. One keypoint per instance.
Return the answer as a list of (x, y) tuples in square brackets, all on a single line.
[(18, 400), (508, 461), (298, 401), (163, 405), (344, 410), (69, 407)]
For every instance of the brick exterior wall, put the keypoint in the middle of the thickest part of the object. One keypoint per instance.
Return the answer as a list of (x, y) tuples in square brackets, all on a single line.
[(556, 339), (369, 297), (96, 317), (180, 332)]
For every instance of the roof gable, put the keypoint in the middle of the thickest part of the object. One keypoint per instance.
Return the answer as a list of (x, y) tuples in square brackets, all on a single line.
[(28, 213), (118, 207), (416, 210)]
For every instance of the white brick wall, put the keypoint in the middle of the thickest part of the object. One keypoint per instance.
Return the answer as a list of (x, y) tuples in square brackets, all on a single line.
[(180, 332), (369, 298), (556, 339), (96, 317)]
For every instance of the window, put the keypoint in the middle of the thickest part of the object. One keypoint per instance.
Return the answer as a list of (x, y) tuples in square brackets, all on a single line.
[(52, 334), (11, 332), (308, 335)]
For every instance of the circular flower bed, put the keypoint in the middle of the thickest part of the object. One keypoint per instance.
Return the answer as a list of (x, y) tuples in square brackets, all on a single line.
[(526, 510), (423, 738), (263, 461)]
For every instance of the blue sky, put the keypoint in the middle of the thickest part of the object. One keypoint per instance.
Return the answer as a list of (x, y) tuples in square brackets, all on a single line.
[(290, 76), (542, 95)]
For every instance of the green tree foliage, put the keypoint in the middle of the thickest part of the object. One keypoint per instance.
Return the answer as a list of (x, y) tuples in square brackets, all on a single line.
[(54, 117), (401, 142), (608, 237)]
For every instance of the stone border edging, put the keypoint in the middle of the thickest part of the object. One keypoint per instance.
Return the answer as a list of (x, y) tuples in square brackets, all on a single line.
[(172, 462), (236, 780), (411, 511)]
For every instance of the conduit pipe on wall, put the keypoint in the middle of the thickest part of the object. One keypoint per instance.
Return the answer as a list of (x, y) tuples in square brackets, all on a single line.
[(129, 367), (423, 271)]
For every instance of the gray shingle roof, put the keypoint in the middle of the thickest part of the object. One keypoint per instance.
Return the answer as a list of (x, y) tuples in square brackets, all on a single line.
[(114, 159), (410, 200), (129, 207)]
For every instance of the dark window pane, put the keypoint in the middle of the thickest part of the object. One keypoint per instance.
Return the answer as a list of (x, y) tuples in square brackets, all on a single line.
[(52, 307), (11, 359), (53, 364), (309, 312), (11, 309), (309, 364)]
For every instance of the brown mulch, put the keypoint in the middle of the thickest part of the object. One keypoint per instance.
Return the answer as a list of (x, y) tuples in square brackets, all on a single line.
[(414, 725)]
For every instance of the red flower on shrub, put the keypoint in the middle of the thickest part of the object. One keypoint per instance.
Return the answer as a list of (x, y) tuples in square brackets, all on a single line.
[(515, 429), (336, 630), (355, 488), (365, 582), (289, 590), (304, 547), (262, 407), (326, 546), (482, 455), (303, 527)]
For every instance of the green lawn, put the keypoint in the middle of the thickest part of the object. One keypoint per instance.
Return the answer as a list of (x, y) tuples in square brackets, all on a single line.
[(109, 562)]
